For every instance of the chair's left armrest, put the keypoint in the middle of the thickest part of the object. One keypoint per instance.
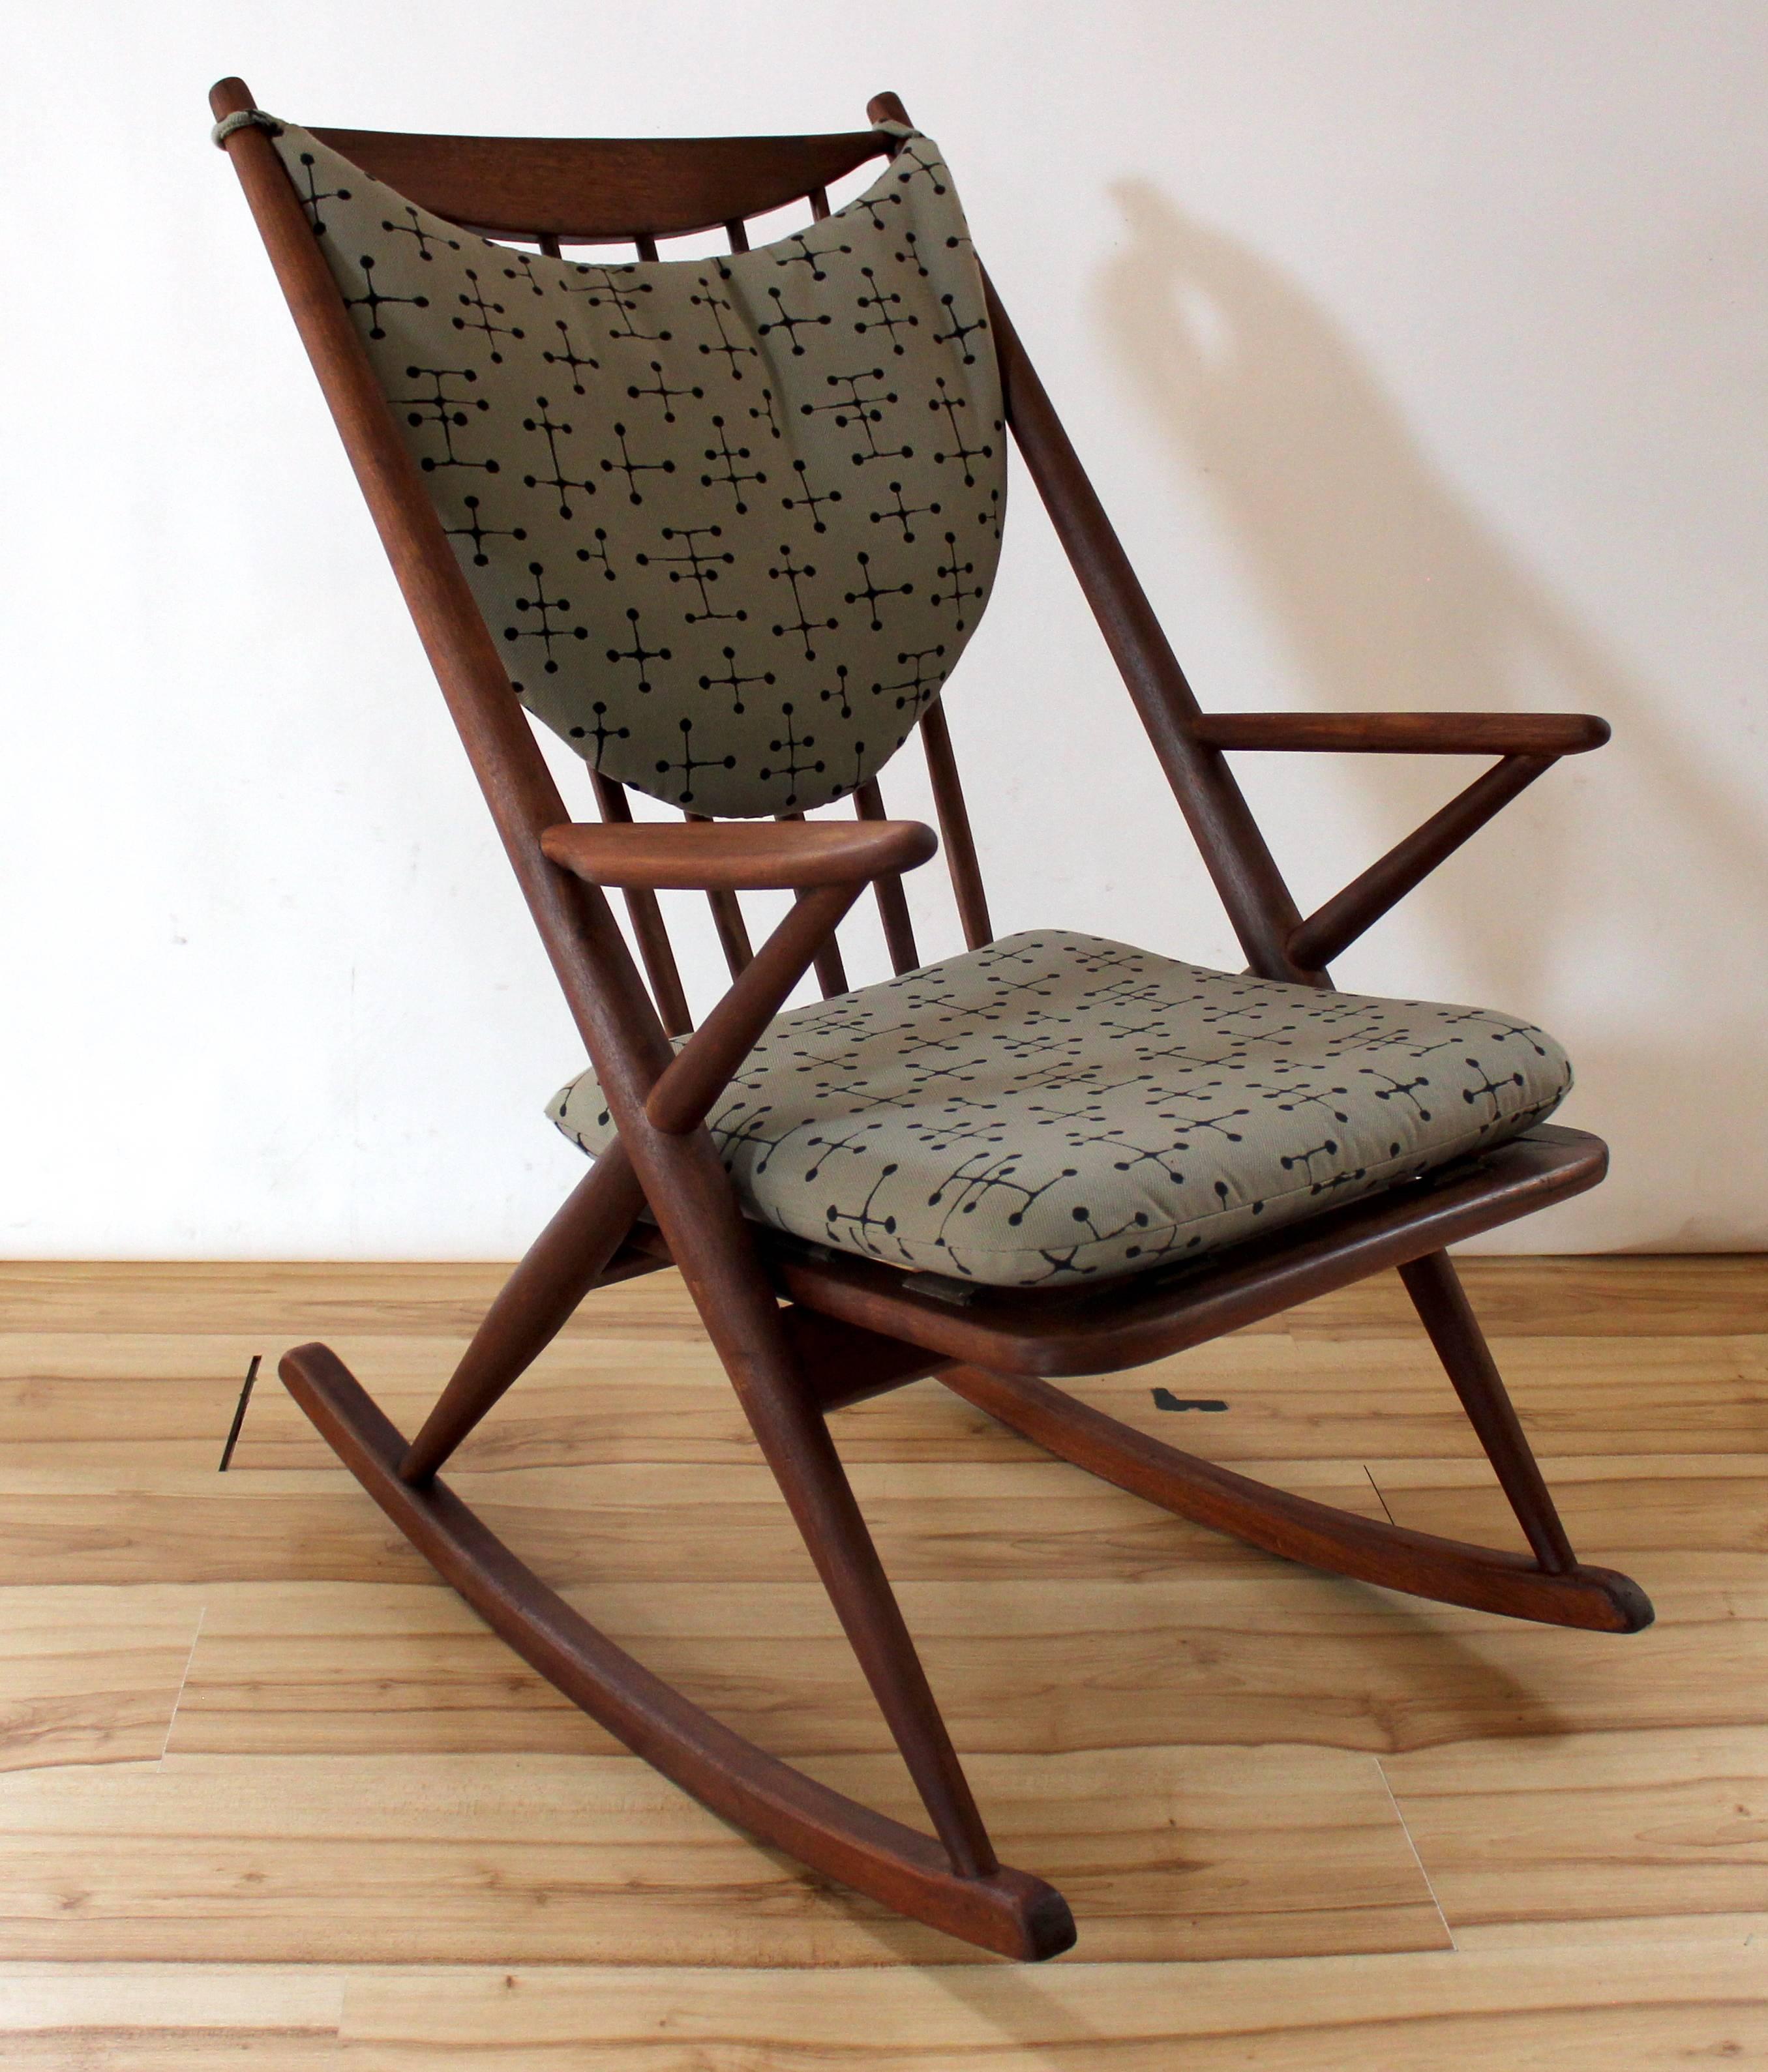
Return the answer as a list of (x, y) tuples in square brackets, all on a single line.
[(1406, 733), (826, 862), (737, 856)]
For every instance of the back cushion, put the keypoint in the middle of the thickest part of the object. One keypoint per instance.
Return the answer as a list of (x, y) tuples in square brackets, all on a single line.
[(732, 519)]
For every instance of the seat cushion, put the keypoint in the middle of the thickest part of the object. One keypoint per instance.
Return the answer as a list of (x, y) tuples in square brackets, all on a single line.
[(1056, 1107)]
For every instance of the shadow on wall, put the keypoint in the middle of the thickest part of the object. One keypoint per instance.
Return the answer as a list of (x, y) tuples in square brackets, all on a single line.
[(1392, 593)]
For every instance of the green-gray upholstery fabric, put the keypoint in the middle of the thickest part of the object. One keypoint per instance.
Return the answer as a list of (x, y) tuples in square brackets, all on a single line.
[(1056, 1107), (733, 519)]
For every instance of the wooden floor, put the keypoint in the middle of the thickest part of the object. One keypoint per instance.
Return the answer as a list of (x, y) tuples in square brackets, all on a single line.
[(269, 1795)]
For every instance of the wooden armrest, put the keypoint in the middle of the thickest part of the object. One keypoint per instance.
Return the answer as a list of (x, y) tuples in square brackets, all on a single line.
[(1407, 733), (738, 855)]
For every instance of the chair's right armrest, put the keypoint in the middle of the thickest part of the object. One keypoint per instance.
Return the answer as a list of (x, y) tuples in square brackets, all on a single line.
[(1406, 733), (737, 856)]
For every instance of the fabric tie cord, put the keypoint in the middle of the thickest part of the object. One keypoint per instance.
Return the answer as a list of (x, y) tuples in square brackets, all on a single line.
[(244, 118)]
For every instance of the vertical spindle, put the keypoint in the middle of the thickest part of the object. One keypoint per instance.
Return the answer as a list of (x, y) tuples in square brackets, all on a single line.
[(899, 933), (966, 877), (648, 924)]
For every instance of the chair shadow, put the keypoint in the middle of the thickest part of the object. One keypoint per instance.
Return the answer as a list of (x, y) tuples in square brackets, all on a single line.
[(1035, 2013), (1391, 592), (1496, 1703)]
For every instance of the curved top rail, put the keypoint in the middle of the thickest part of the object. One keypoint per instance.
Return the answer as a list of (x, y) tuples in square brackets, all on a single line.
[(604, 189), (594, 190)]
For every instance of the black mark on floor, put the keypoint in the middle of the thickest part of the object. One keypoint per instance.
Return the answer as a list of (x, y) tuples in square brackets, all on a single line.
[(1165, 1399), (239, 1414)]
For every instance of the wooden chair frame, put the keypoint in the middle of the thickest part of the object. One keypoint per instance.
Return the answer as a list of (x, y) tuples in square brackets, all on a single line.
[(802, 1331)]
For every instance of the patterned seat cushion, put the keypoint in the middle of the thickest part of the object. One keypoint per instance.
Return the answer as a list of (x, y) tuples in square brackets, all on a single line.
[(1056, 1107)]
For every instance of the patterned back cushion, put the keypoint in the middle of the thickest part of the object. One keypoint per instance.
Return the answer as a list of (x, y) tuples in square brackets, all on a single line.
[(733, 519)]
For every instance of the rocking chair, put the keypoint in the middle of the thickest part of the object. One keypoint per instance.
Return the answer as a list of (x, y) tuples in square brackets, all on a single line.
[(725, 525)]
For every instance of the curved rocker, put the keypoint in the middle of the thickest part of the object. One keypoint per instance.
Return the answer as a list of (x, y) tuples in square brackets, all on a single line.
[(1370, 1550), (1004, 1910)]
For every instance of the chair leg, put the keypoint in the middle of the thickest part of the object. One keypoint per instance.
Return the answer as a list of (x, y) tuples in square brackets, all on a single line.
[(788, 1422), (697, 1210), (816, 1488), (1442, 1309), (533, 1306), (716, 1254)]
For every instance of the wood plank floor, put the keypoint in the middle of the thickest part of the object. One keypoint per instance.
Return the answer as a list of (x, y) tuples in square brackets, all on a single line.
[(270, 1795)]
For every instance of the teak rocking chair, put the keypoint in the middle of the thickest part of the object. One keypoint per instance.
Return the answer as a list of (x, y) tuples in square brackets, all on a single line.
[(772, 483)]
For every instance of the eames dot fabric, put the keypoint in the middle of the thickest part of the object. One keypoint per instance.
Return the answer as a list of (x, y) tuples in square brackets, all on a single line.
[(1055, 1108), (731, 521)]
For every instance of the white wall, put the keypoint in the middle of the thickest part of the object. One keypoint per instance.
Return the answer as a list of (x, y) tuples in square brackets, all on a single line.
[(1418, 350)]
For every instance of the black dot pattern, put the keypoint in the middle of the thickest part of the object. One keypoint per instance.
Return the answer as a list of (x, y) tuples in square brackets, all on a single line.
[(731, 520), (1055, 1107)]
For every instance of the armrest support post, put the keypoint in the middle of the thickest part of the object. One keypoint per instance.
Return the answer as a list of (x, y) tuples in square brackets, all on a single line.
[(825, 865), (685, 1092), (1335, 925)]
